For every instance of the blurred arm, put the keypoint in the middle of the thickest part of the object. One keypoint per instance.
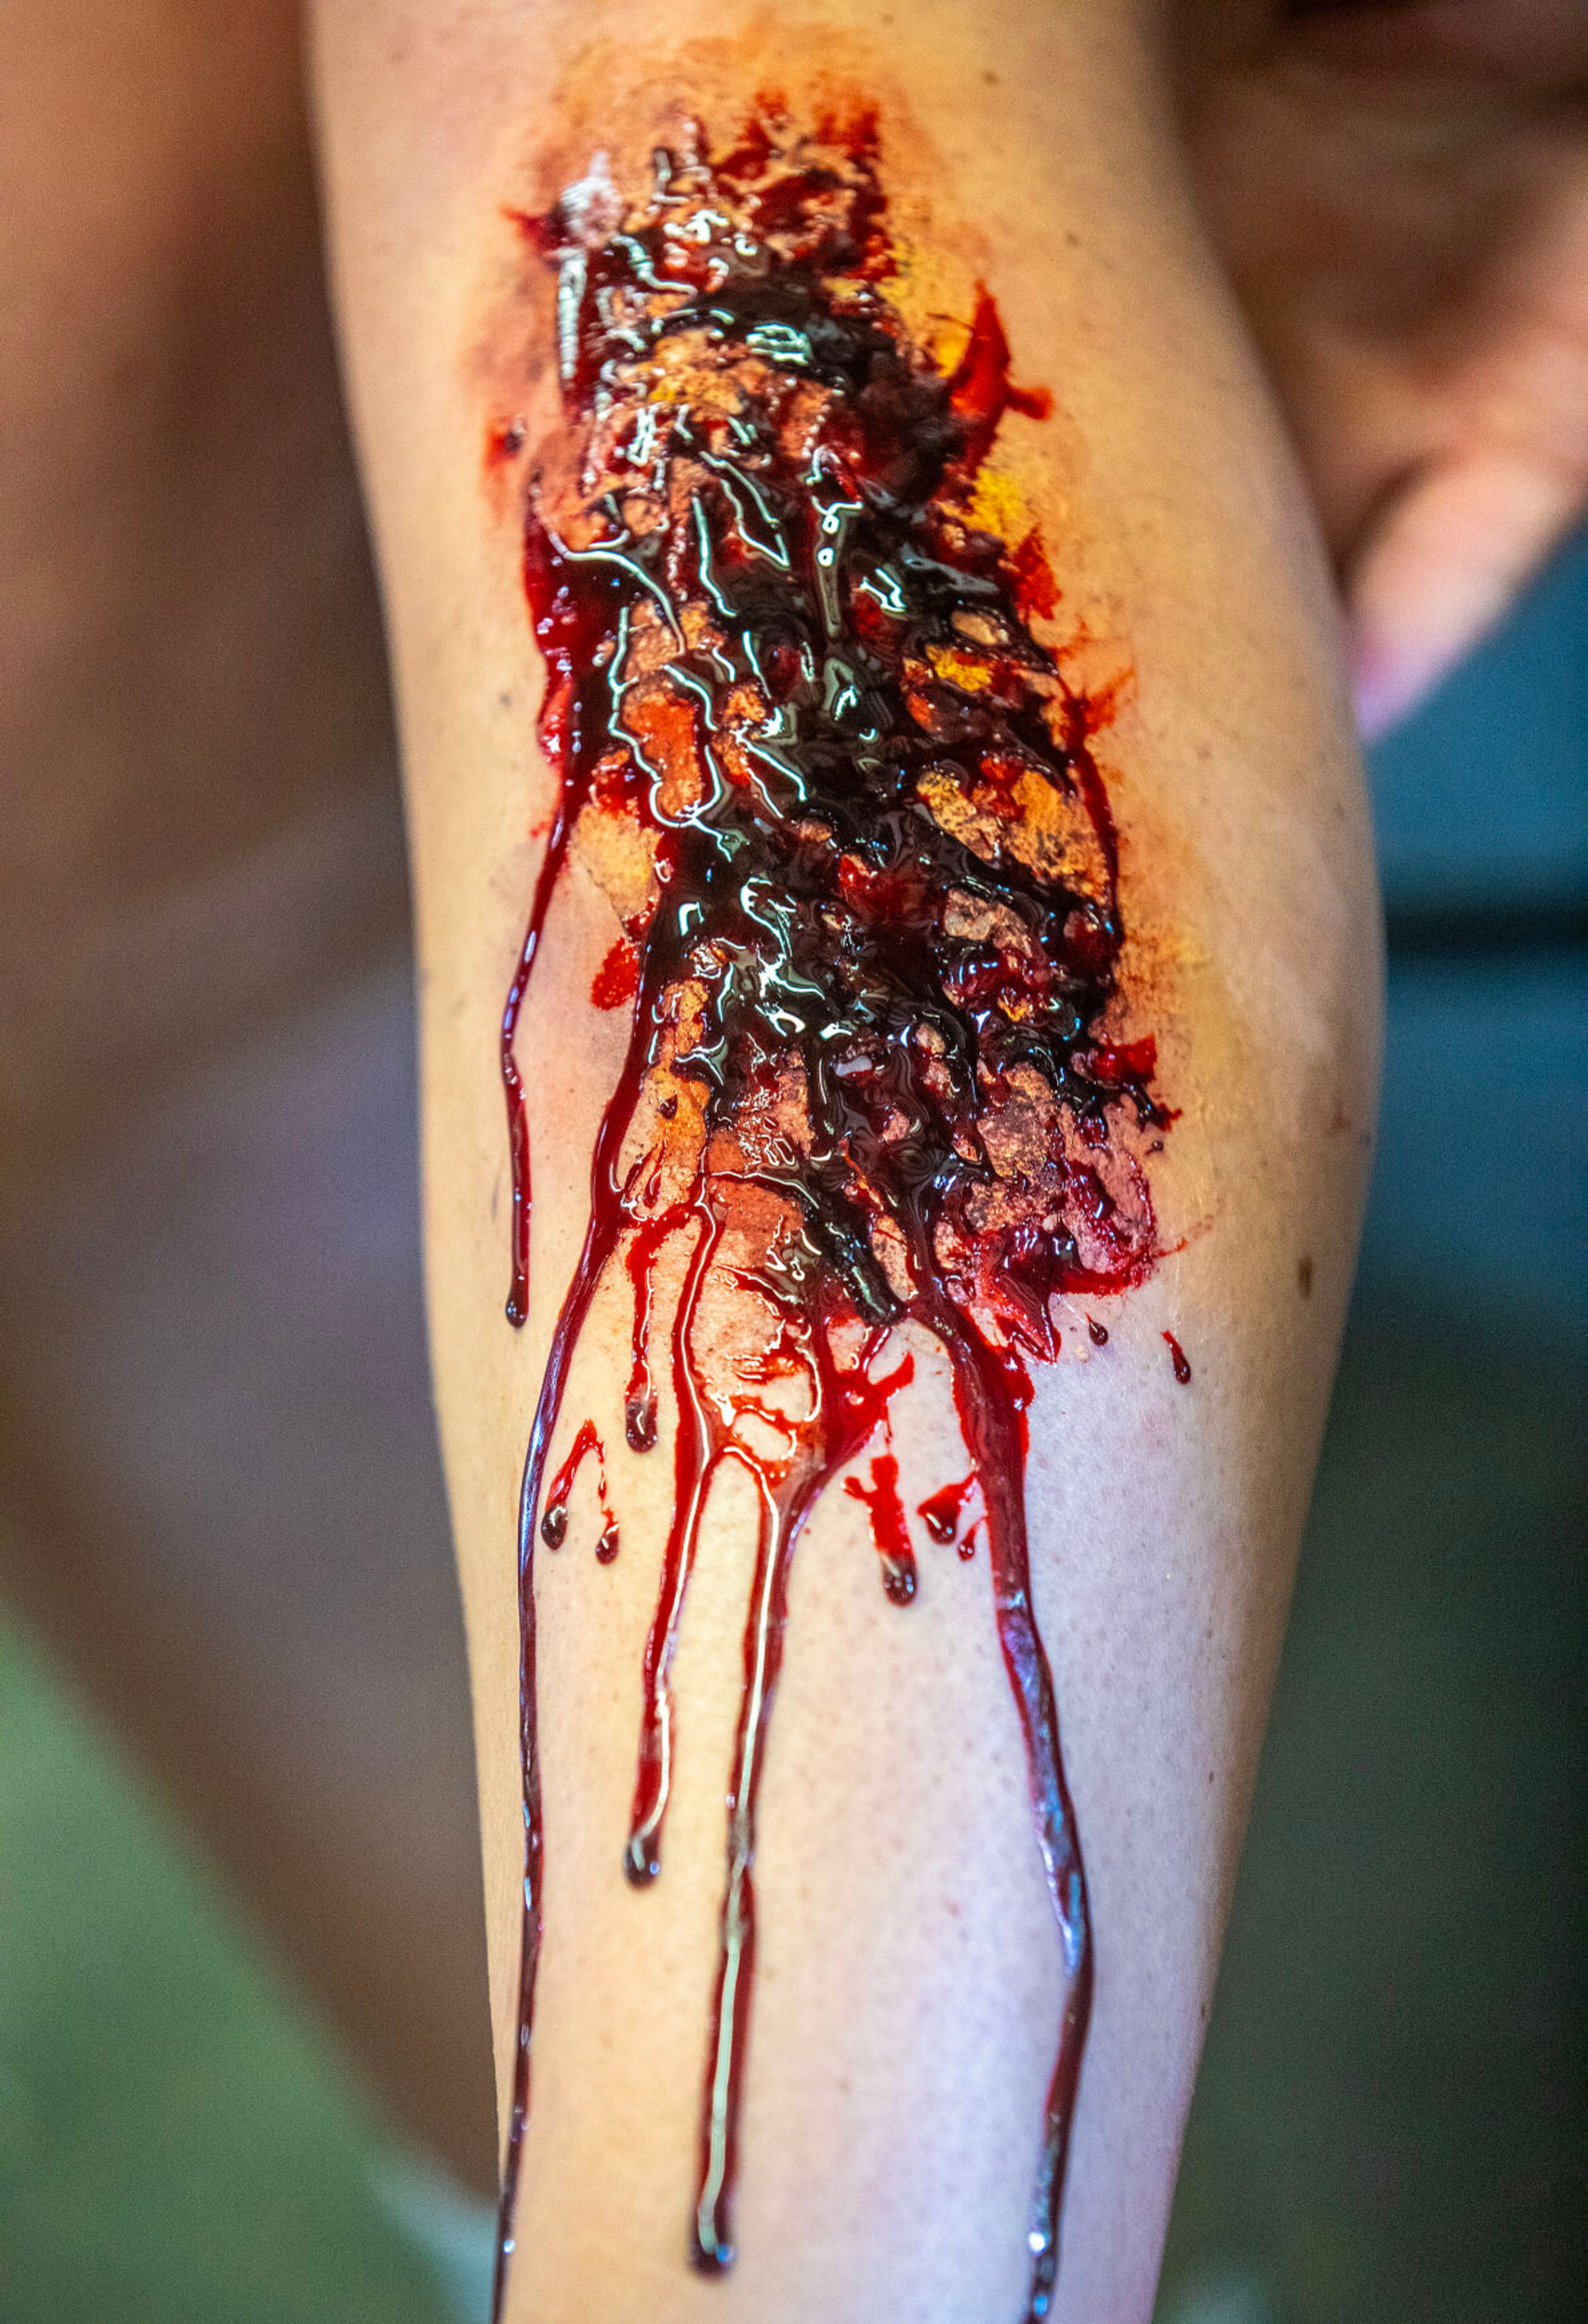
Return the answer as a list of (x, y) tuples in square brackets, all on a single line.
[(909, 1981)]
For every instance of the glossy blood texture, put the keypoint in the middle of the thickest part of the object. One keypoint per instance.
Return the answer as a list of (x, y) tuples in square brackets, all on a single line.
[(554, 1522), (871, 1082), (943, 1512), (889, 1527)]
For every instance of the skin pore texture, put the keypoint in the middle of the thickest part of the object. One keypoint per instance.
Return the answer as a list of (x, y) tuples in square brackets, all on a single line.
[(949, 1021)]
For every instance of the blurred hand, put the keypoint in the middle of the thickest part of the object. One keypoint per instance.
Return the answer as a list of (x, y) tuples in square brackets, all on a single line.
[(1399, 190)]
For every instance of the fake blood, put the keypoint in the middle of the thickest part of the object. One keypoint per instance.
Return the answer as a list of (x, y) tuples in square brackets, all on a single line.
[(554, 1522), (889, 1527), (872, 1084), (617, 979), (941, 1513)]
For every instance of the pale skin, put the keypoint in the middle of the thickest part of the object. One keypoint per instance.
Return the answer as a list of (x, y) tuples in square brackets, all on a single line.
[(188, 826), (904, 2022)]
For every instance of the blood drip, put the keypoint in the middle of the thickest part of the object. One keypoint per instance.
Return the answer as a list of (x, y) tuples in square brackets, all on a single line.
[(554, 1522), (942, 1511), (889, 1528), (872, 1081)]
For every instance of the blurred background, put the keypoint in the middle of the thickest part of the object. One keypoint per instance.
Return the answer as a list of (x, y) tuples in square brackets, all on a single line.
[(1390, 2123)]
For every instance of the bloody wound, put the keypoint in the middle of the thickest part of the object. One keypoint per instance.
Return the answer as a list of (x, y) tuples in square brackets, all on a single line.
[(875, 1079)]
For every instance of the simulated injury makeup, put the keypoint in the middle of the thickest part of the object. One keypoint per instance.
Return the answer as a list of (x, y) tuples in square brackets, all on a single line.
[(808, 735)]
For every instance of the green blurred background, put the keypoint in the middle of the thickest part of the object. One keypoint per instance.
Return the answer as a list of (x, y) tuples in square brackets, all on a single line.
[(1390, 2123)]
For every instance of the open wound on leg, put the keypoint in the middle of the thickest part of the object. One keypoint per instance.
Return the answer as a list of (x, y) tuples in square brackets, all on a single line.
[(797, 689)]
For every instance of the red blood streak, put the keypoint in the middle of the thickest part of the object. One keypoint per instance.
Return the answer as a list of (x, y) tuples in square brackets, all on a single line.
[(1178, 1357), (981, 391), (617, 979), (505, 441), (1038, 589), (890, 1529), (554, 1523), (1123, 1065), (867, 1083)]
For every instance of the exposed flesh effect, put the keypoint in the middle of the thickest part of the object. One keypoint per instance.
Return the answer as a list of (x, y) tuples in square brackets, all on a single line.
[(807, 732)]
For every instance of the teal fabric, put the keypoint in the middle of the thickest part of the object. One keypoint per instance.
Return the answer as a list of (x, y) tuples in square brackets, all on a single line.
[(1483, 797)]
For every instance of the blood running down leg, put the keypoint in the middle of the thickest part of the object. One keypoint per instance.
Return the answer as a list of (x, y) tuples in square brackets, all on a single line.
[(918, 817)]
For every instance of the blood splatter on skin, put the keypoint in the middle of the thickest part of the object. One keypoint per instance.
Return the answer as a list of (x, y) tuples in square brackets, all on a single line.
[(871, 1083), (617, 979), (554, 1522)]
